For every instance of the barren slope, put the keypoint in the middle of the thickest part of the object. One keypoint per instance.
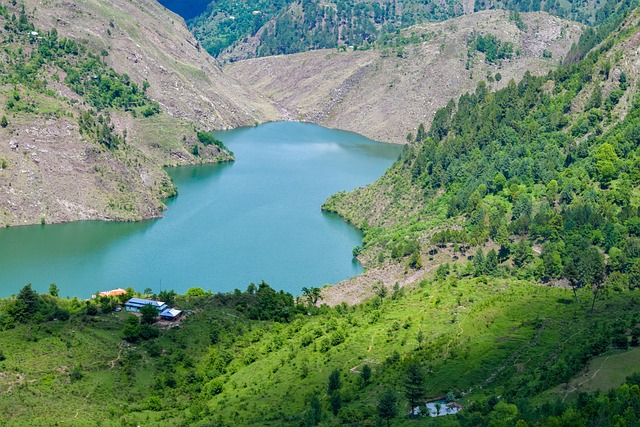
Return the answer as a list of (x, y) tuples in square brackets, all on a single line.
[(51, 172), (149, 42), (383, 93)]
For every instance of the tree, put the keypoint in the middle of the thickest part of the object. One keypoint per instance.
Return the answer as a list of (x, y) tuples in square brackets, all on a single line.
[(336, 403), (149, 314), (195, 292), (131, 328), (53, 290), (334, 382), (552, 261), (585, 268), (479, 264), (420, 338), (634, 275), (4, 122), (312, 295), (25, 305), (491, 262), (415, 261), (522, 253), (314, 413), (169, 297), (91, 309), (366, 374), (415, 389), (388, 406)]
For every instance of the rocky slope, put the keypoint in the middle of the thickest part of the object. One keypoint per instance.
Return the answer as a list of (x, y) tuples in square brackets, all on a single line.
[(50, 171), (404, 208), (149, 42), (385, 93)]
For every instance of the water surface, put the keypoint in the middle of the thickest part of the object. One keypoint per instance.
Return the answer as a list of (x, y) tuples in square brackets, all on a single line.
[(255, 219)]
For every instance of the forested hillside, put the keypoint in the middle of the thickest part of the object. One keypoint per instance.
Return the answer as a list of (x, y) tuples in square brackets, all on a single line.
[(512, 224), (536, 180), (232, 31), (284, 27)]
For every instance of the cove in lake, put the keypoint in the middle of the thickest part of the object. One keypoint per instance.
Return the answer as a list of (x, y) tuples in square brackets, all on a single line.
[(256, 219)]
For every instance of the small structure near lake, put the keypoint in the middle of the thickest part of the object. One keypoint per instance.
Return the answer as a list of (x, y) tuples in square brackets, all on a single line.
[(437, 408), (112, 293), (440, 408), (171, 314), (135, 304)]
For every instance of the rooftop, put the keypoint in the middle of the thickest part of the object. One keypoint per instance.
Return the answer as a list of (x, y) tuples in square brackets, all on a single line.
[(112, 293), (139, 302), (171, 312)]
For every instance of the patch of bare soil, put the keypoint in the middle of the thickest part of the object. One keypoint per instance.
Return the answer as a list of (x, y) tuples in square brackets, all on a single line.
[(386, 93)]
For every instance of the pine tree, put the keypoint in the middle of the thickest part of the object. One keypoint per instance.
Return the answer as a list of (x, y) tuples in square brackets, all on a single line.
[(479, 264), (491, 262), (388, 406), (415, 389), (366, 374), (4, 122), (334, 382)]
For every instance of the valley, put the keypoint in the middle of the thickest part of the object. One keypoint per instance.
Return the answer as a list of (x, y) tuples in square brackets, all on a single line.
[(501, 249)]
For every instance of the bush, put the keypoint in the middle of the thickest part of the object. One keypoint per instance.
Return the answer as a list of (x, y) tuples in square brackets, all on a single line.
[(206, 138)]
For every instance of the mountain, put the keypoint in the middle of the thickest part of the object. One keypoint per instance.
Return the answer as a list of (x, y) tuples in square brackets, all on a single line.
[(232, 31), (385, 93), (146, 41), (502, 248), (108, 94), (540, 174)]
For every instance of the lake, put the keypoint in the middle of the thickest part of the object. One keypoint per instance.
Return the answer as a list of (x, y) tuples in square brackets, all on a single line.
[(256, 219)]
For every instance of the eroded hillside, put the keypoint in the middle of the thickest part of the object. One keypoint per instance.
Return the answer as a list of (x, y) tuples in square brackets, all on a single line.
[(385, 93), (536, 180), (97, 97), (148, 42)]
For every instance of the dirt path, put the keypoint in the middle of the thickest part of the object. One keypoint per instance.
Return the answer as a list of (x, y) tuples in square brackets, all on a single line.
[(371, 345), (113, 362), (576, 388)]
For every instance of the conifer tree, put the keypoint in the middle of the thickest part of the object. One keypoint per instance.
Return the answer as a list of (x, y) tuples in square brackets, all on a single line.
[(388, 406)]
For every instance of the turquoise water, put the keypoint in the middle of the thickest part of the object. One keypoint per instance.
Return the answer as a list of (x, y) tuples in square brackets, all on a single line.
[(255, 219)]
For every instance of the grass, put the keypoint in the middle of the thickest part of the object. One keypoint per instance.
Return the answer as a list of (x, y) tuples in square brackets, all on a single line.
[(483, 337), (602, 373)]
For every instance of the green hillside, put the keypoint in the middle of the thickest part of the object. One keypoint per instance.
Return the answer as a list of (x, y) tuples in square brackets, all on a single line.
[(285, 27), (516, 216), (255, 358), (537, 178)]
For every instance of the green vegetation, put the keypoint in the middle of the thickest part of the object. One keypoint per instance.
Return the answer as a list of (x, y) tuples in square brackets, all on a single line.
[(501, 174), (33, 62), (288, 26), (493, 48), (207, 138), (296, 26), (257, 358), (586, 12)]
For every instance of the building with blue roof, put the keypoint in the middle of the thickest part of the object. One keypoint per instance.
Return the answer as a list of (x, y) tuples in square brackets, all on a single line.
[(135, 304), (171, 314)]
